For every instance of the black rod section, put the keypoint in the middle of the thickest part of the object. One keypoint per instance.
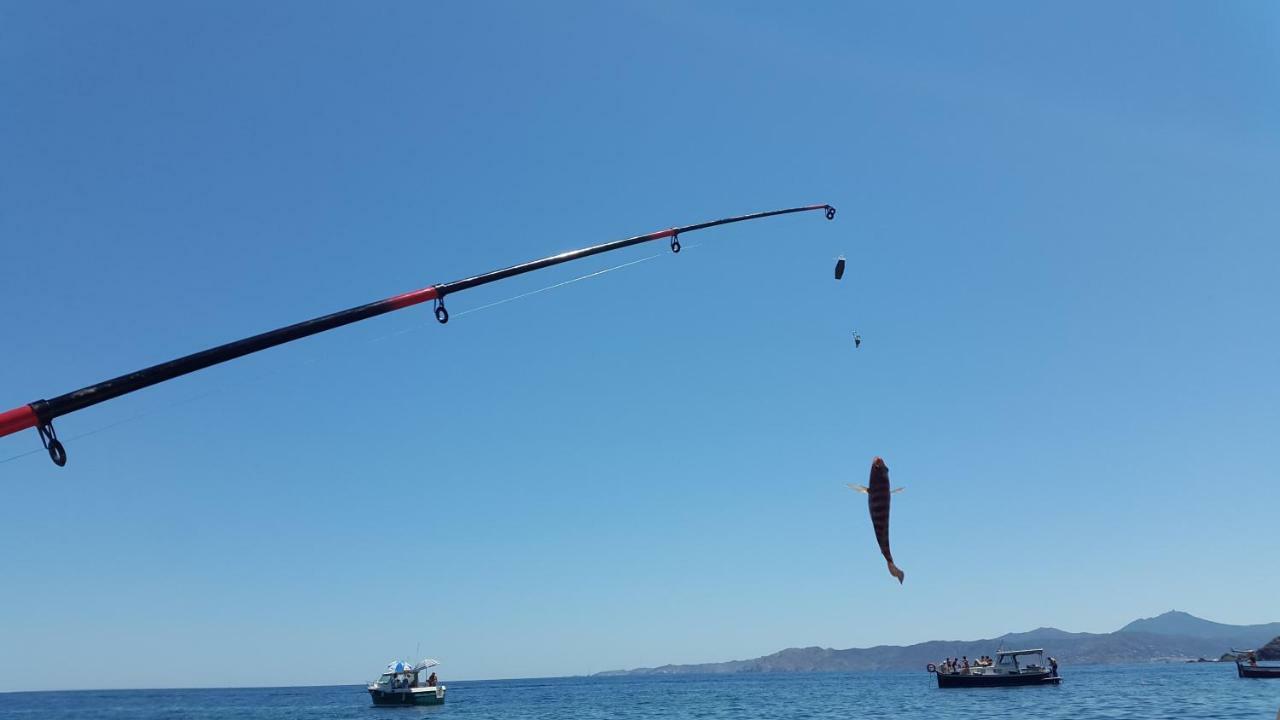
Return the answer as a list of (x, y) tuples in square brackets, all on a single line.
[(47, 410), (495, 275)]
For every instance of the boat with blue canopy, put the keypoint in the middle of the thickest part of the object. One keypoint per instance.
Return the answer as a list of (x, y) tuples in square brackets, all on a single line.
[(404, 683)]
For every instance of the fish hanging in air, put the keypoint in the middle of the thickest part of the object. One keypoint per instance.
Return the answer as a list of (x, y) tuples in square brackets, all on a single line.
[(878, 503), (839, 267), (857, 340)]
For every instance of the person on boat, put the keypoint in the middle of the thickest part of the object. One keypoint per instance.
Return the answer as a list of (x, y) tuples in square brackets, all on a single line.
[(1053, 666), (964, 668), (431, 680)]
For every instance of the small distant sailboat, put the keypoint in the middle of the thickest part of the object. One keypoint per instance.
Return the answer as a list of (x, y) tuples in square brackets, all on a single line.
[(403, 684)]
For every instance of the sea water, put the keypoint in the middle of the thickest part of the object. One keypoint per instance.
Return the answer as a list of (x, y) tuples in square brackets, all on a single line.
[(1135, 691)]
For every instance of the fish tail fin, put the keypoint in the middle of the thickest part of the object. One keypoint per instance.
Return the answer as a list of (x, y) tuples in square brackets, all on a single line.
[(895, 571)]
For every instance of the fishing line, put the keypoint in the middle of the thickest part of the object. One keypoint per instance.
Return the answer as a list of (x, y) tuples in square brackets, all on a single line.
[(245, 383), (523, 295), (228, 387), (570, 282), (562, 284), (104, 428), (142, 414)]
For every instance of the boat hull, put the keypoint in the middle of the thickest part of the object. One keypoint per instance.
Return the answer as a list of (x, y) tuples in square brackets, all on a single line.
[(958, 680), (426, 696), (1247, 671)]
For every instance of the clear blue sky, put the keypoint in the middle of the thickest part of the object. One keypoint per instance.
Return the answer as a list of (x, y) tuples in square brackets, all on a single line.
[(1061, 226)]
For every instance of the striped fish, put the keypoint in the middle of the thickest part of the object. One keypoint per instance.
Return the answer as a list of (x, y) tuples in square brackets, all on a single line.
[(878, 503)]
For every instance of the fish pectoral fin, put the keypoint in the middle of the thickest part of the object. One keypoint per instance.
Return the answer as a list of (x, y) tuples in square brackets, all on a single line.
[(859, 488), (895, 491)]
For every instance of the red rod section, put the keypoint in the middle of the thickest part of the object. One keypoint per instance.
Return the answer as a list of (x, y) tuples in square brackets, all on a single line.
[(17, 419)]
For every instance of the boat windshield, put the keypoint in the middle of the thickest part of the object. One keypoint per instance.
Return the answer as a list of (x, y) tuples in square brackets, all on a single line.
[(1020, 660), (385, 679)]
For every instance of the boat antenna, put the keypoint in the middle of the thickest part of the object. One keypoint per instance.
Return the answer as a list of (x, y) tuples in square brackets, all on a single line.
[(40, 414)]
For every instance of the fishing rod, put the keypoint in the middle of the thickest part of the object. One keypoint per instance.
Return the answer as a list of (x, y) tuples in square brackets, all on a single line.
[(41, 413)]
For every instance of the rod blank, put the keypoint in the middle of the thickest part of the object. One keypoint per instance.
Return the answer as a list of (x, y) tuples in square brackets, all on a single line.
[(41, 413)]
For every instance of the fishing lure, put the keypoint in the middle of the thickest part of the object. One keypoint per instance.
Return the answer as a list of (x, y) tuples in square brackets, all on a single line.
[(40, 414), (878, 496)]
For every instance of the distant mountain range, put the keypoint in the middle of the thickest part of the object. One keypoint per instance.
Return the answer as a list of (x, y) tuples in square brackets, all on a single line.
[(1172, 636)]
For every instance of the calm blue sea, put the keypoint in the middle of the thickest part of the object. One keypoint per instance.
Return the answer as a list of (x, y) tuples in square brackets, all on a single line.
[(1141, 691)]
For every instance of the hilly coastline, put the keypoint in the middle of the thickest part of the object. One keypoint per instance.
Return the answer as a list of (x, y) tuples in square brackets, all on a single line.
[(1173, 636)]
